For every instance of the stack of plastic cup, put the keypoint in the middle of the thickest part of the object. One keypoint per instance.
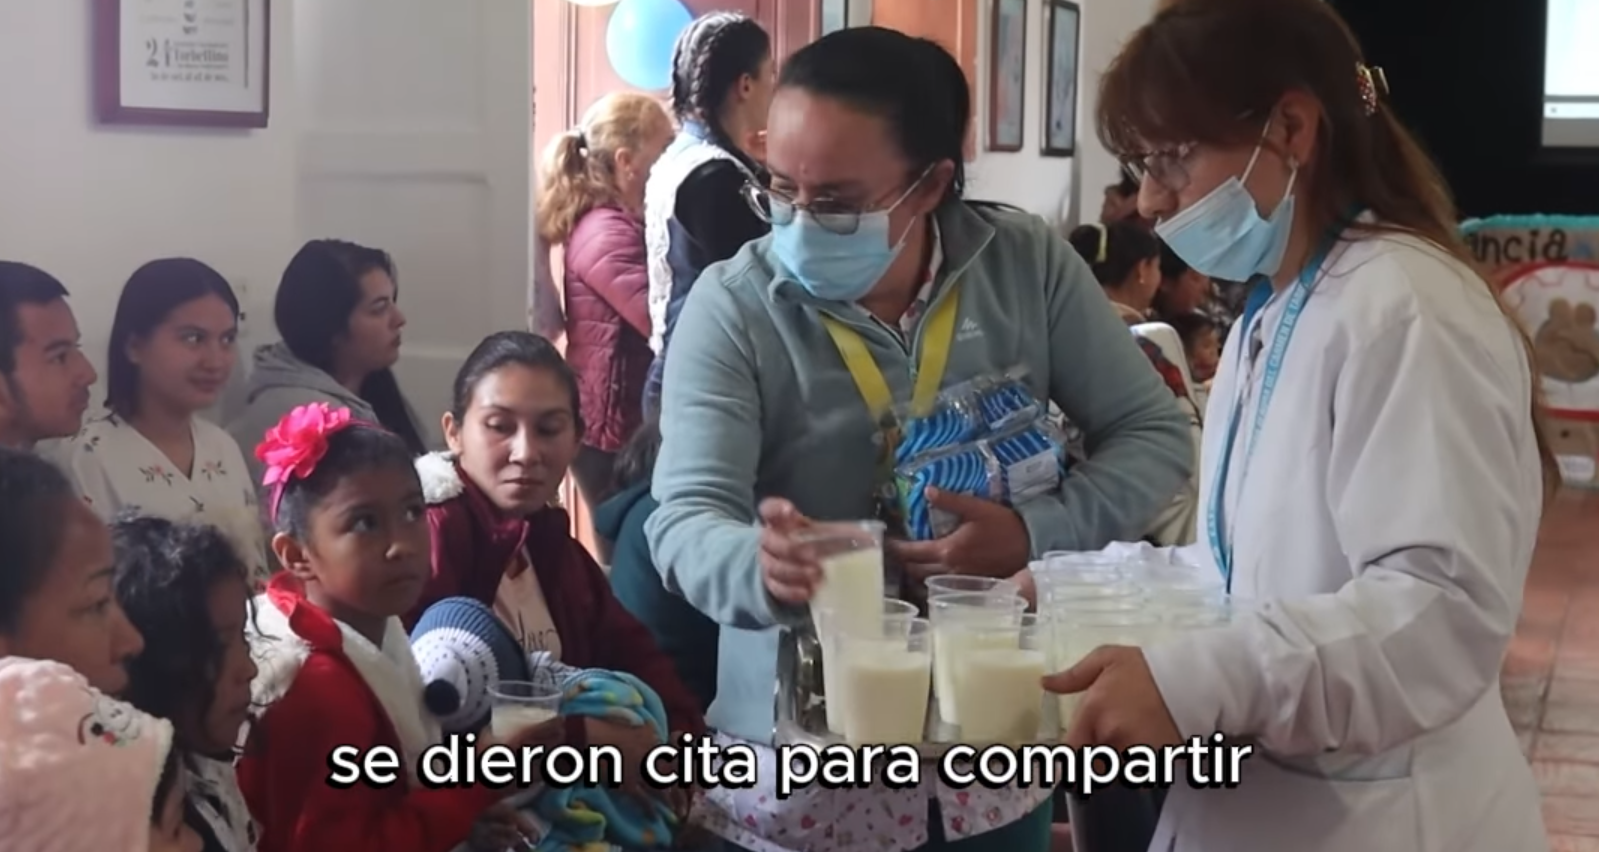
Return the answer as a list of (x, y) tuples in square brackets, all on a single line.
[(1178, 594), (998, 679), (1177, 587), (828, 631), (1082, 624), (884, 675), (1085, 565), (1000, 607), (1063, 579), (1207, 614)]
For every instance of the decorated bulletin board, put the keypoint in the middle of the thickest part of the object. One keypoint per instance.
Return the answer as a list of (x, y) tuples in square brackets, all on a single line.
[(1548, 270)]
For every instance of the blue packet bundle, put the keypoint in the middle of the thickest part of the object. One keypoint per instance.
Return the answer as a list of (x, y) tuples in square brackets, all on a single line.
[(965, 413), (966, 469), (1019, 463), (1032, 461)]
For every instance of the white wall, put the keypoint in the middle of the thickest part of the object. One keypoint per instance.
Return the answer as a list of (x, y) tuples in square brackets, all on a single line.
[(1107, 24), (1062, 190), (90, 203)]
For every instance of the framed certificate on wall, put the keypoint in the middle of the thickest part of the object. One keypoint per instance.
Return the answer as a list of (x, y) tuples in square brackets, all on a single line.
[(1060, 78), (195, 63)]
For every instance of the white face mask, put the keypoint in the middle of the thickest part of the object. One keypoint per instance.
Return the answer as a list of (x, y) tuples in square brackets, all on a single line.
[(1223, 236)]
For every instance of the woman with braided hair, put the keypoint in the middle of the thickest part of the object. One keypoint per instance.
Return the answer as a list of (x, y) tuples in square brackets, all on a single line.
[(694, 213)]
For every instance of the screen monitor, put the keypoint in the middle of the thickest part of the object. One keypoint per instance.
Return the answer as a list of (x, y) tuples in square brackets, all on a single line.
[(1571, 75)]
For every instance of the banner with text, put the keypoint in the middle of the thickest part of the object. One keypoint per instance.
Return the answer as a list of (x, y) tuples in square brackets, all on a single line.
[(1548, 269)]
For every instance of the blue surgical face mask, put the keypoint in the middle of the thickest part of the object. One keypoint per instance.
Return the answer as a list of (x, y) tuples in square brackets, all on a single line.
[(837, 267), (1223, 236)]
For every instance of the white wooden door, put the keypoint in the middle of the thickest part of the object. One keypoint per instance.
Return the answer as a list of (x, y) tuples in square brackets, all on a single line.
[(415, 121)]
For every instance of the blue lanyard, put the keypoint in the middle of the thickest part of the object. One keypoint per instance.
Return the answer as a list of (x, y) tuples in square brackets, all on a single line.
[(1259, 295)]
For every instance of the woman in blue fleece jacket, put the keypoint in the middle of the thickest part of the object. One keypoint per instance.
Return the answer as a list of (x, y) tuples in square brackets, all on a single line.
[(764, 427)]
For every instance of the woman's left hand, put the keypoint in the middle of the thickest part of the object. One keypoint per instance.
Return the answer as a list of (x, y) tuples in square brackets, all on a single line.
[(1121, 706), (991, 540)]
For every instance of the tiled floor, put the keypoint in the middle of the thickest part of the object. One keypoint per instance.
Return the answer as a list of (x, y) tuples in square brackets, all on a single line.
[(1551, 676)]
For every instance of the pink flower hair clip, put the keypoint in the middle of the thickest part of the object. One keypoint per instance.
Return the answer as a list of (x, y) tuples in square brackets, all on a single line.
[(292, 449)]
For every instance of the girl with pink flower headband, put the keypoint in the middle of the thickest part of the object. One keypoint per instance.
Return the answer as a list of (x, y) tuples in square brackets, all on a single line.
[(335, 664)]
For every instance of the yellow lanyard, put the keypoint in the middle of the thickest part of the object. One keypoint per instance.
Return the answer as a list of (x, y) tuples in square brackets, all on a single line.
[(936, 343)]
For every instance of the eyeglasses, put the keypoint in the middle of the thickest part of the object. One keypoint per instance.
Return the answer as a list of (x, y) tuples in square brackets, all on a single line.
[(1167, 168), (779, 209), (836, 217)]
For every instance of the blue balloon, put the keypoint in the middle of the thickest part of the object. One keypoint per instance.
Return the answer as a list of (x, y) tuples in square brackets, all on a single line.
[(640, 37)]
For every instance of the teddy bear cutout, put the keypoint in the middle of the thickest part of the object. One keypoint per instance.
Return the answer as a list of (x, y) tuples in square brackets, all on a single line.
[(1568, 342)]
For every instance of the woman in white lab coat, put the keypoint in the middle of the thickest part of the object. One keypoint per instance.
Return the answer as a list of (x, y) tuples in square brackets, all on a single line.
[(1373, 467)]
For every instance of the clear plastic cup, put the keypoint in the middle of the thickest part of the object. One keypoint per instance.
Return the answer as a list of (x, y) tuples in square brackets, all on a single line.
[(1064, 590), (1172, 587), (851, 557), (1081, 626), (999, 689), (1088, 564), (1218, 611), (520, 704), (885, 676), (1065, 576), (955, 584), (832, 666), (953, 608)]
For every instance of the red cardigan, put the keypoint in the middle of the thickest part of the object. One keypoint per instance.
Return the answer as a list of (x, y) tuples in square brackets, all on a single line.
[(472, 545), (608, 323), (283, 772)]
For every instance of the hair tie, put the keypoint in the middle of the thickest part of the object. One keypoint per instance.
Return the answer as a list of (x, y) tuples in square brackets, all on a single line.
[(1373, 85), (1104, 243), (292, 449)]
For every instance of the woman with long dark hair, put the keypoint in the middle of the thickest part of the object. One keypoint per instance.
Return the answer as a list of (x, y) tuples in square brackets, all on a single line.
[(694, 215), (514, 428), (338, 312), (1374, 470), (171, 354)]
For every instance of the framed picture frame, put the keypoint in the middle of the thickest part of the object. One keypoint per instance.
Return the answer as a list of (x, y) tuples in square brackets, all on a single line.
[(183, 63), (1007, 74), (1063, 30)]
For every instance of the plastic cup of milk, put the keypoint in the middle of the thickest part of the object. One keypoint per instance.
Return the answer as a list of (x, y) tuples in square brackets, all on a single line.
[(947, 610), (958, 584), (885, 677), (1086, 565), (520, 704), (1080, 626), (850, 554), (999, 690), (833, 666)]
